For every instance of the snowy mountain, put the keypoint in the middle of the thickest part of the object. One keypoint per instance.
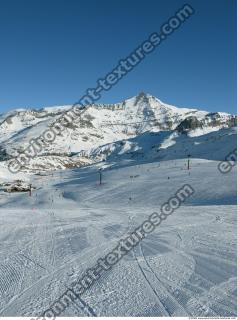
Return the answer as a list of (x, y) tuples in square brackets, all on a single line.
[(141, 126), (57, 226)]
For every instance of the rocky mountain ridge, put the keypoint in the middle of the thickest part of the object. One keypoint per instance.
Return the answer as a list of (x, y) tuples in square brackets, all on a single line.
[(108, 129)]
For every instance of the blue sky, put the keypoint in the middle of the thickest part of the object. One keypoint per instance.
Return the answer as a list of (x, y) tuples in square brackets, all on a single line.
[(53, 50)]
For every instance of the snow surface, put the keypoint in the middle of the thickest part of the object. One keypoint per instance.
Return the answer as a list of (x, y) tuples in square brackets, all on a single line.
[(187, 266)]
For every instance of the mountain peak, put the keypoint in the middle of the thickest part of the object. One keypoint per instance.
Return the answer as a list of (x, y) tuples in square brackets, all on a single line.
[(102, 125), (143, 94)]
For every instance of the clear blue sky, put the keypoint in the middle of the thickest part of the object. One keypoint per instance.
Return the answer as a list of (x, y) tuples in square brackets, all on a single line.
[(53, 50)]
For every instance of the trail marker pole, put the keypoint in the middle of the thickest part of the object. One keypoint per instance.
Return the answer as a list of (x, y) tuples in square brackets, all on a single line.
[(189, 161), (100, 172)]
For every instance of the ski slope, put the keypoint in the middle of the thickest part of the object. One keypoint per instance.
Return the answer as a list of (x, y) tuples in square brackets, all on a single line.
[(186, 267)]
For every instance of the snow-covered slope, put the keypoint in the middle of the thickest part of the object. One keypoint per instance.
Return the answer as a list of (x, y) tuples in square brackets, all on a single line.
[(186, 267), (167, 145), (122, 124)]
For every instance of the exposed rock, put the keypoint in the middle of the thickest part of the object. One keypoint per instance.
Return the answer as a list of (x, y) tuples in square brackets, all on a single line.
[(18, 186), (3, 155), (189, 123)]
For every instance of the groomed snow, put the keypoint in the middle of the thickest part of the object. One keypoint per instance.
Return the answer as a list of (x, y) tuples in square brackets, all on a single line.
[(187, 266)]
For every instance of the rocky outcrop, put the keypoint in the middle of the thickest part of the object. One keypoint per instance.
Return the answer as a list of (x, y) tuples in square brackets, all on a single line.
[(3, 155), (18, 186), (190, 123)]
